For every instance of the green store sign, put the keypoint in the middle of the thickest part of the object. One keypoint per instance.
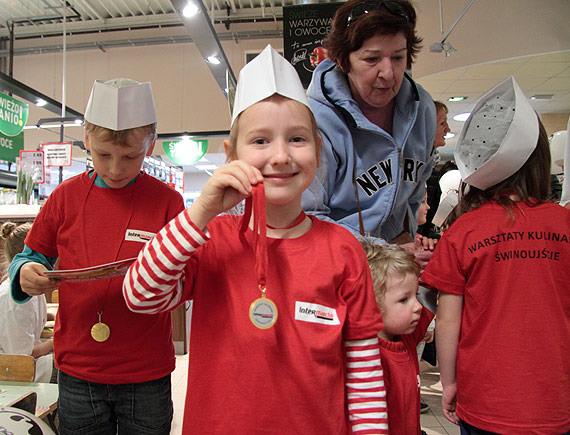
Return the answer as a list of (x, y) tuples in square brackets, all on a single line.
[(10, 146), (13, 115), (185, 151)]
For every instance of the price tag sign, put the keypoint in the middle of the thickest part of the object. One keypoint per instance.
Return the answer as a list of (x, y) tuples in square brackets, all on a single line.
[(57, 154), (32, 163)]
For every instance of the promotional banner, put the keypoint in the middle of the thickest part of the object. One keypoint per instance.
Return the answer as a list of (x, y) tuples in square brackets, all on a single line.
[(304, 28), (13, 118)]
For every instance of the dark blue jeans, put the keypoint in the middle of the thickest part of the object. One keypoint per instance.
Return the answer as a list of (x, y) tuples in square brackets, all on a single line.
[(88, 408), (467, 429)]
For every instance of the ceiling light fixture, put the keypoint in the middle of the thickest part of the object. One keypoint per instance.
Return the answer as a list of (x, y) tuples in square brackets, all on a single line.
[(449, 135), (214, 60), (542, 97), (40, 102), (462, 117), (190, 10), (453, 99), (442, 45)]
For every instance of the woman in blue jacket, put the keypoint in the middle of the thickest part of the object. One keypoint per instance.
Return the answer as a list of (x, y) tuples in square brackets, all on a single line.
[(377, 124)]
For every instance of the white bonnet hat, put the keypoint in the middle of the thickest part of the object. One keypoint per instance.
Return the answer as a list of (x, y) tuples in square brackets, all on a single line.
[(498, 138), (557, 147), (120, 104), (450, 182), (269, 73)]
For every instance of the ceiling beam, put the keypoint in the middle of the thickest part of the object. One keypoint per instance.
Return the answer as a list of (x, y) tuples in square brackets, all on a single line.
[(21, 90), (204, 36)]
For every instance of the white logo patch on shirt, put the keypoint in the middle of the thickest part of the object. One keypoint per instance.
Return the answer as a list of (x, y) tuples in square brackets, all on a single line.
[(315, 313), (138, 236)]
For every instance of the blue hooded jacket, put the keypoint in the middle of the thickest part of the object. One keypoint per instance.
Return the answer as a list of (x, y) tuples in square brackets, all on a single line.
[(388, 171)]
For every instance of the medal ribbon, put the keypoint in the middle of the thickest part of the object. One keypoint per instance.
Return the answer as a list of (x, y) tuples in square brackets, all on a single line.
[(256, 203)]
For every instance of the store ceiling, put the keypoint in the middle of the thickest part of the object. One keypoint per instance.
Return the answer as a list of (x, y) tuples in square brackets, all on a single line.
[(37, 23)]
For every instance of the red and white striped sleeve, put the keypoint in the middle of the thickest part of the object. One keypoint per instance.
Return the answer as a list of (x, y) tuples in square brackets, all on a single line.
[(154, 281), (367, 409)]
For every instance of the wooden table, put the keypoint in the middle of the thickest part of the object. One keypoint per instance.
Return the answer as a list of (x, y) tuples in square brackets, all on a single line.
[(47, 395)]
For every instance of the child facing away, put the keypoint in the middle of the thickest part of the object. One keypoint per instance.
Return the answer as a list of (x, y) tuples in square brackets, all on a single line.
[(114, 364), (395, 276), (21, 324), (283, 326), (502, 269)]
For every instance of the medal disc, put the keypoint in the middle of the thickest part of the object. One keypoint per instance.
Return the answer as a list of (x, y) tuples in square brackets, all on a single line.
[(263, 313), (100, 332)]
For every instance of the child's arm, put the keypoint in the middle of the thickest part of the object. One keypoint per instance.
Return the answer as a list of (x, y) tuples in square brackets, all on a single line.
[(448, 327), (365, 388), (152, 282), (26, 275)]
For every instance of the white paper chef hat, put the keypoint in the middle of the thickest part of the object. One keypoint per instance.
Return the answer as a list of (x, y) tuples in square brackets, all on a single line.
[(120, 104), (557, 148), (498, 138), (449, 183), (269, 73)]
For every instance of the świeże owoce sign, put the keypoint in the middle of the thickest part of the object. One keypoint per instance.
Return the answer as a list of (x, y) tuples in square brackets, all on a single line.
[(13, 118)]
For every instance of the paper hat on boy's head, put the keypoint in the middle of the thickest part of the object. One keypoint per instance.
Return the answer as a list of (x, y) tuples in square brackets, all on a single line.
[(449, 183), (557, 149), (120, 104), (269, 73), (498, 137)]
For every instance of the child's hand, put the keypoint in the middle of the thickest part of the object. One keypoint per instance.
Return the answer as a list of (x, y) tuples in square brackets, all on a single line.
[(448, 399), (227, 187), (33, 281), (424, 243)]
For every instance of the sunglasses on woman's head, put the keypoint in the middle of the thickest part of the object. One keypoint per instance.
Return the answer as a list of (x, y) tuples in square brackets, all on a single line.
[(372, 5)]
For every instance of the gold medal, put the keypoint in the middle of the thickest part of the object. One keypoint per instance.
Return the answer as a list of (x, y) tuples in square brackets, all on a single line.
[(263, 312), (100, 331)]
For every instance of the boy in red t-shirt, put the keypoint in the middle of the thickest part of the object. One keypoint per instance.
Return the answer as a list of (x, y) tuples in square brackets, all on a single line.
[(395, 276)]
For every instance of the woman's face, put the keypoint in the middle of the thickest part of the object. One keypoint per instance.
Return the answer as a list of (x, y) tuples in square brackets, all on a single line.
[(441, 129), (377, 70)]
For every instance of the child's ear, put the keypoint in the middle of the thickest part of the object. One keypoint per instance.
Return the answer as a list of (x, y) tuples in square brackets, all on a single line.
[(87, 145), (151, 148), (230, 150)]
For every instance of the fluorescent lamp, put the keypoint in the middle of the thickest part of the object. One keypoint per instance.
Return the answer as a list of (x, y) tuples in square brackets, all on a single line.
[(462, 117), (206, 167), (456, 99), (41, 102), (190, 10), (449, 135), (214, 60)]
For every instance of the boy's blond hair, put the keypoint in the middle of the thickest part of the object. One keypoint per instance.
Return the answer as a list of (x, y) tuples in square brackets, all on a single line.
[(387, 261), (120, 137)]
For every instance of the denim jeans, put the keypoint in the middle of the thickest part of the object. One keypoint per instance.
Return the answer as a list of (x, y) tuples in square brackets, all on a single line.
[(467, 429), (89, 408)]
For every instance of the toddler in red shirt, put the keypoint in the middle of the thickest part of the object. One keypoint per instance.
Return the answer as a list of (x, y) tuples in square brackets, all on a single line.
[(395, 277)]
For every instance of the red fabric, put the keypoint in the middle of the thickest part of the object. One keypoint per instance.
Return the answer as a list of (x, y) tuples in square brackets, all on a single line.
[(513, 366), (288, 379), (402, 378), (140, 347)]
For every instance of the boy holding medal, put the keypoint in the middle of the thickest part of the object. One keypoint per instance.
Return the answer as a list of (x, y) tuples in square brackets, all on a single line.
[(114, 365), (284, 320)]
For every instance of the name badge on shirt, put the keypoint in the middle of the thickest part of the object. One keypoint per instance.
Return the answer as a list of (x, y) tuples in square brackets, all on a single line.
[(138, 236), (315, 313)]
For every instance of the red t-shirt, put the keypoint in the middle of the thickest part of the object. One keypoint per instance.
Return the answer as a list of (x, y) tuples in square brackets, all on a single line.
[(245, 380), (513, 361), (402, 378), (85, 225)]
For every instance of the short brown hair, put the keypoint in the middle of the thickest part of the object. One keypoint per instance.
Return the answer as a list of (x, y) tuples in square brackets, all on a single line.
[(531, 183), (120, 137), (440, 107), (345, 39), (386, 261)]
